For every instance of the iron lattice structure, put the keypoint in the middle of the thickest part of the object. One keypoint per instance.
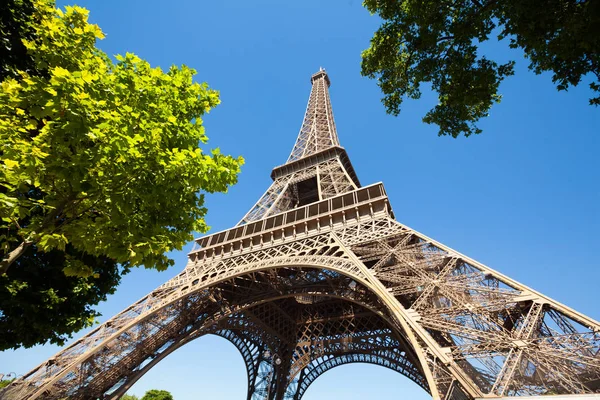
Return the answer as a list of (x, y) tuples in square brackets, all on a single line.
[(318, 274)]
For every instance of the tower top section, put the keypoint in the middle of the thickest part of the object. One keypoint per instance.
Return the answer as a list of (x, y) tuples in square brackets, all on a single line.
[(318, 167), (318, 132), (320, 74)]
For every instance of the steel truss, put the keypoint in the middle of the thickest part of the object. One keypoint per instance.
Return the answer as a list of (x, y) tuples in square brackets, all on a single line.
[(320, 274)]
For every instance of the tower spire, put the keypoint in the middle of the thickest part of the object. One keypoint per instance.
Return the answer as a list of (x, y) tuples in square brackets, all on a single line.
[(318, 167), (318, 131)]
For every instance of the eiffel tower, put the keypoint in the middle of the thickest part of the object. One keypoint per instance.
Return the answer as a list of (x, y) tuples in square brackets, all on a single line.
[(318, 274)]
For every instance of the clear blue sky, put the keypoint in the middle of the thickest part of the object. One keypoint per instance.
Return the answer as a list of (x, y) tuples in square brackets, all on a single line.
[(522, 197)]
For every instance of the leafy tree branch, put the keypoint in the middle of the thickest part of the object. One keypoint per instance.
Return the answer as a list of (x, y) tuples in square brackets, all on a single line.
[(438, 42)]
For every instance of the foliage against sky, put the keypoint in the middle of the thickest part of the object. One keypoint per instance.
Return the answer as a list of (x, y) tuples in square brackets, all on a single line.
[(439, 43), (155, 394), (113, 147)]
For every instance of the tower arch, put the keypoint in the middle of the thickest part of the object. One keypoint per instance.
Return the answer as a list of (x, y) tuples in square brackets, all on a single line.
[(250, 310), (325, 364)]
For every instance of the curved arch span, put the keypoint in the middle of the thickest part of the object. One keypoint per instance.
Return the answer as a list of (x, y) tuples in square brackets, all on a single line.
[(170, 299), (325, 364), (251, 346)]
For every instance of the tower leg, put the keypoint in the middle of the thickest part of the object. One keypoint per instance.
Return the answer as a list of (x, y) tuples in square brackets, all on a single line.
[(271, 380)]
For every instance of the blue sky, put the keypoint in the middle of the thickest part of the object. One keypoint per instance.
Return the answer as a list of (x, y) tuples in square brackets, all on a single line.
[(521, 197)]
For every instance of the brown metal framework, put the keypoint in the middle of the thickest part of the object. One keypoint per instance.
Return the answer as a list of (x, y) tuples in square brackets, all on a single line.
[(318, 274)]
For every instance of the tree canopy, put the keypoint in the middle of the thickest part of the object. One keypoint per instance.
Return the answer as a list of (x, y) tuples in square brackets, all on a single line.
[(101, 169), (157, 395), (438, 43), (39, 303)]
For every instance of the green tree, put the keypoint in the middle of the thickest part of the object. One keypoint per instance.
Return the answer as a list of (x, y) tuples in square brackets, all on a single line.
[(157, 395), (438, 41), (129, 397), (112, 146), (100, 170), (38, 303)]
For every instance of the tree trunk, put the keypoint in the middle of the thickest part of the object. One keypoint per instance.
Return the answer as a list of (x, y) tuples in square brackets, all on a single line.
[(13, 255)]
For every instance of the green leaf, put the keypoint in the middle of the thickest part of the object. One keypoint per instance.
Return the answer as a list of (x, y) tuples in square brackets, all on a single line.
[(77, 268), (53, 241)]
